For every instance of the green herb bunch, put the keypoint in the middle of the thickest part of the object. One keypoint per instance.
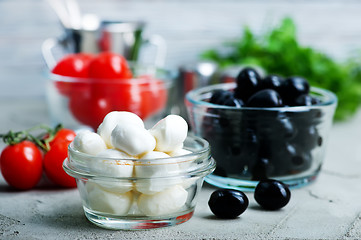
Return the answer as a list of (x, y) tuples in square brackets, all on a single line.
[(278, 52)]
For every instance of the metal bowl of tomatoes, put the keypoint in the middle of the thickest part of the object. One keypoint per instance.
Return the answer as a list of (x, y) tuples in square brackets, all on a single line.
[(82, 88)]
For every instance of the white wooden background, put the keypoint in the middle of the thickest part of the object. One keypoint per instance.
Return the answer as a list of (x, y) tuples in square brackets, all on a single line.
[(188, 26)]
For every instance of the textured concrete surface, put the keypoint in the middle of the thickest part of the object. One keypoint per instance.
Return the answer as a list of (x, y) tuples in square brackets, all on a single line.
[(330, 208)]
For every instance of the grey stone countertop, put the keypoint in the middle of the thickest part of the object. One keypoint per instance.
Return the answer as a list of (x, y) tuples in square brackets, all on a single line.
[(329, 208)]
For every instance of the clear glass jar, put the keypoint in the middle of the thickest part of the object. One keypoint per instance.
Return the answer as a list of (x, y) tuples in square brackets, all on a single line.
[(249, 144), (156, 192)]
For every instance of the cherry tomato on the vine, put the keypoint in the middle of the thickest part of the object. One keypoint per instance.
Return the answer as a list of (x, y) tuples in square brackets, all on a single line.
[(53, 164), (21, 165), (63, 134)]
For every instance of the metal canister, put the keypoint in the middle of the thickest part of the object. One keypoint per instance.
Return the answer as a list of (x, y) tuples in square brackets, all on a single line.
[(122, 37)]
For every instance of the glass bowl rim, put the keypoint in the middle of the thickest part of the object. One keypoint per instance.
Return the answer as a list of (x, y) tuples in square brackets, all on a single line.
[(203, 150), (167, 76), (192, 96), (201, 170)]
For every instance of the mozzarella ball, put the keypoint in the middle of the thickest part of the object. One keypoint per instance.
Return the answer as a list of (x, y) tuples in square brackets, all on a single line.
[(103, 201), (152, 167), (132, 139), (179, 152), (168, 201), (117, 117), (89, 142), (114, 165), (184, 162), (170, 132), (154, 155)]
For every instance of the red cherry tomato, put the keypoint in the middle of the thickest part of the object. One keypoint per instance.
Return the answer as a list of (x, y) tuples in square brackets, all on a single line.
[(127, 96), (72, 65), (162, 96), (154, 94), (108, 65), (21, 165), (122, 94), (53, 164), (63, 134), (90, 108)]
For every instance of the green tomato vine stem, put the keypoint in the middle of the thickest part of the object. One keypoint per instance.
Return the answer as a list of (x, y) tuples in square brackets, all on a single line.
[(42, 140)]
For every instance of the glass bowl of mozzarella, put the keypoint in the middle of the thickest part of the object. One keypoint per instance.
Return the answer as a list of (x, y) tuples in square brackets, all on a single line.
[(130, 177)]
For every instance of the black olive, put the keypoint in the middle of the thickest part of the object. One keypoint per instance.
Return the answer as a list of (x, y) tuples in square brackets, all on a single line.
[(219, 96), (260, 169), (228, 203), (272, 82), (248, 81), (233, 102), (304, 100), (265, 98), (293, 87), (224, 97), (272, 194)]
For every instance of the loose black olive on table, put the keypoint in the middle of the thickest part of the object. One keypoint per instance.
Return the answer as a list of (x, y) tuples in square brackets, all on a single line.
[(228, 203), (272, 194)]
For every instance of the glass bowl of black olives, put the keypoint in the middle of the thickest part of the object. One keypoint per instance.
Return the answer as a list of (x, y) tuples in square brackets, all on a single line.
[(263, 127)]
